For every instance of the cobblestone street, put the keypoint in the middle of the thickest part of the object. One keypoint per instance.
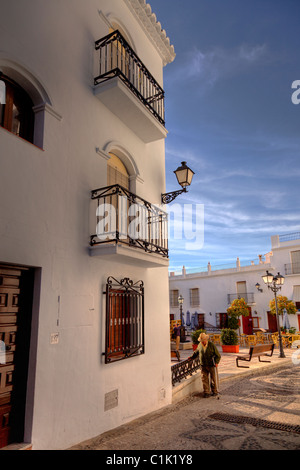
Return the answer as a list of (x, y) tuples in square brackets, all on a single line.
[(258, 412)]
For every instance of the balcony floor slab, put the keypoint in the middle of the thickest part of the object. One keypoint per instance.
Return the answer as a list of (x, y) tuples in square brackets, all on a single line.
[(118, 98), (125, 254)]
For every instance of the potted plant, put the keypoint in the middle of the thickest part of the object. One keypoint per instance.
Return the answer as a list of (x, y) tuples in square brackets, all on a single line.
[(194, 337), (229, 340), (238, 307), (233, 322)]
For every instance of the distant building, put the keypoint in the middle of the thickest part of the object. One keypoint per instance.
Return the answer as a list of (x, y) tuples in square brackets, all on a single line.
[(209, 292), (82, 288)]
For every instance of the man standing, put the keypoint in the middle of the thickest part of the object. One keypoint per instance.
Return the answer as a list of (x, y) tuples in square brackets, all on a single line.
[(209, 359), (176, 332)]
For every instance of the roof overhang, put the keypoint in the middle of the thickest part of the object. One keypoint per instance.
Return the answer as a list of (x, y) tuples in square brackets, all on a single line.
[(143, 12)]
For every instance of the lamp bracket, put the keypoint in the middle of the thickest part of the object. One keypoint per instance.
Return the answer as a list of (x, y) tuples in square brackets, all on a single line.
[(169, 197), (274, 288)]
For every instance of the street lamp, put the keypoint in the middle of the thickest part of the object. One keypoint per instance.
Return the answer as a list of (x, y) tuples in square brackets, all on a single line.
[(274, 283), (184, 177), (182, 331), (257, 285)]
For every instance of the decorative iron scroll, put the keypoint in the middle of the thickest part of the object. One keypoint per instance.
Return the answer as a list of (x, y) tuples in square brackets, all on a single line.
[(124, 336), (184, 369)]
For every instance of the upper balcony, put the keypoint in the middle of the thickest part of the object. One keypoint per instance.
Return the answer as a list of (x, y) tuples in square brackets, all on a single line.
[(128, 228), (128, 89)]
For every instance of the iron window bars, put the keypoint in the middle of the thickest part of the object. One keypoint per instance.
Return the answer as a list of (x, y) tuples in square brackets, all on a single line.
[(123, 217), (124, 335), (292, 268), (117, 59)]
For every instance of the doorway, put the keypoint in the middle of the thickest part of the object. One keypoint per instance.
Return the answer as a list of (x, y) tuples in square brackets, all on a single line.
[(248, 323), (16, 296), (272, 322)]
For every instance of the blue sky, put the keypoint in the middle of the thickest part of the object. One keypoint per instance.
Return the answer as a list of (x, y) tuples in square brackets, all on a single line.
[(229, 114)]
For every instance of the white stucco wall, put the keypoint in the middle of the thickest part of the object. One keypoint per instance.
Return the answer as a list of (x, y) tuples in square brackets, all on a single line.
[(44, 223)]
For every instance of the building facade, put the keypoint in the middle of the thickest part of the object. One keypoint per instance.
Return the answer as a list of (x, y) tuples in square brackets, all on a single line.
[(82, 167), (208, 293)]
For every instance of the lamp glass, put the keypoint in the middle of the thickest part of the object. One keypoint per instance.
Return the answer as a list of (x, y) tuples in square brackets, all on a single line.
[(184, 175), (180, 299), (268, 278), (279, 279)]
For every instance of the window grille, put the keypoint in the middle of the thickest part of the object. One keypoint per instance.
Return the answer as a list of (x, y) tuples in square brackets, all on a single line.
[(194, 297), (124, 336), (174, 298)]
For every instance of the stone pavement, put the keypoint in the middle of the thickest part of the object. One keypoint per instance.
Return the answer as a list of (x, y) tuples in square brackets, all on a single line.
[(258, 409)]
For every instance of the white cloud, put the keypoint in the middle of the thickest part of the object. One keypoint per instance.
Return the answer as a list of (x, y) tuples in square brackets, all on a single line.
[(217, 63)]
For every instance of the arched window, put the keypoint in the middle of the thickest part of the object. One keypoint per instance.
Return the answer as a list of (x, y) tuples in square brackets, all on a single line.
[(117, 172), (16, 114)]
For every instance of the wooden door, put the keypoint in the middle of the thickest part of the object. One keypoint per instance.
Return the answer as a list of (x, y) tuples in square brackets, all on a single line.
[(12, 396), (222, 320), (200, 320), (248, 323), (272, 322)]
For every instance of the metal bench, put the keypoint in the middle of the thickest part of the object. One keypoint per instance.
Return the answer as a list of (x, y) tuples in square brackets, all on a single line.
[(256, 351)]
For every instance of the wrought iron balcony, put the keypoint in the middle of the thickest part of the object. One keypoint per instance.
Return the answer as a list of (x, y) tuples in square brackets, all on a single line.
[(118, 61), (123, 218), (247, 296), (292, 268)]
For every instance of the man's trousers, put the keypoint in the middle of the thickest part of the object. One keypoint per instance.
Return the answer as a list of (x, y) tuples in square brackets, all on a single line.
[(209, 380)]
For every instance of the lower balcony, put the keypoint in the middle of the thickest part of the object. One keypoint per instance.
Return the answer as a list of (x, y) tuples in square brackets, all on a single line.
[(247, 296), (129, 229)]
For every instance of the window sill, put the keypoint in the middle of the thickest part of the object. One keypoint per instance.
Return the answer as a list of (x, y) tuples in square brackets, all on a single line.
[(21, 138)]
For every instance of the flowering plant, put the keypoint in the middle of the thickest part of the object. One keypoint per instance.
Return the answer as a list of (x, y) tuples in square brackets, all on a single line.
[(237, 308), (283, 303)]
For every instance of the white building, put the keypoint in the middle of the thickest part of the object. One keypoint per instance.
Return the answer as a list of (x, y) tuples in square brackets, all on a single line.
[(209, 292), (84, 109)]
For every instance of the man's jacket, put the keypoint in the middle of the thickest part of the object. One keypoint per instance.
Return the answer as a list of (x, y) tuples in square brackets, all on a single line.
[(208, 356)]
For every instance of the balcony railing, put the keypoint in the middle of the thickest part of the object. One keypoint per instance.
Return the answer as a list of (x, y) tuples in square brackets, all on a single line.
[(289, 237), (292, 268), (184, 369), (123, 217), (248, 297), (117, 59)]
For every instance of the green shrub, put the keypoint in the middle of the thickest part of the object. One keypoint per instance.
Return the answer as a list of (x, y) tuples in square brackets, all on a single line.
[(229, 336), (233, 323), (195, 335)]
